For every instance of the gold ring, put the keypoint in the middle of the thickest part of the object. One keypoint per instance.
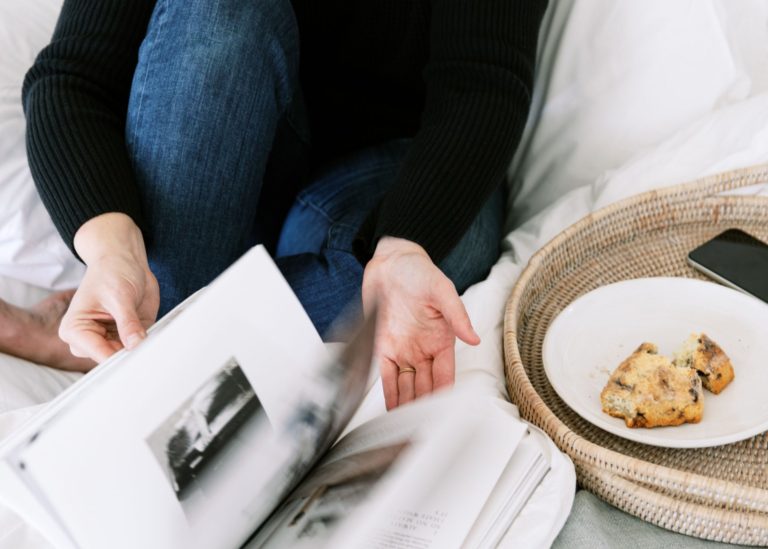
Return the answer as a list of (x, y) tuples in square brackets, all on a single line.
[(407, 369)]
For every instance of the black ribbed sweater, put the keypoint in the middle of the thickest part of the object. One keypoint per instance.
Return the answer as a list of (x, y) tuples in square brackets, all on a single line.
[(454, 74)]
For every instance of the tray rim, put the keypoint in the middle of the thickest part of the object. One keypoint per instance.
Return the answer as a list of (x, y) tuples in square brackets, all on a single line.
[(714, 494)]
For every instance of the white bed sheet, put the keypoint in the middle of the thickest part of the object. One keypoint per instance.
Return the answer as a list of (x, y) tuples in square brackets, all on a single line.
[(30, 248)]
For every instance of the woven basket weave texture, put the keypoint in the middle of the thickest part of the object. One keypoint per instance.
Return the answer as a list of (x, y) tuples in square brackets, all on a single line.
[(718, 493)]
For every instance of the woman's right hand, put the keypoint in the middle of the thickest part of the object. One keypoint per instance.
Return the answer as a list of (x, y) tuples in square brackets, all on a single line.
[(118, 298)]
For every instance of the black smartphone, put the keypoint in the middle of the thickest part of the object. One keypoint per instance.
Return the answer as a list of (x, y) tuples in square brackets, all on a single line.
[(736, 259)]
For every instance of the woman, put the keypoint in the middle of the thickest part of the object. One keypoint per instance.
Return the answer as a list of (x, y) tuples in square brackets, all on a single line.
[(165, 138)]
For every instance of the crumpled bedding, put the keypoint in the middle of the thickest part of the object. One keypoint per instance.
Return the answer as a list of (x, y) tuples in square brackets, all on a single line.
[(30, 248)]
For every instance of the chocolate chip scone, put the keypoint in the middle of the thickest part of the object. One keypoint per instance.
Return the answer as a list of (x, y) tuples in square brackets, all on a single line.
[(647, 390), (708, 359)]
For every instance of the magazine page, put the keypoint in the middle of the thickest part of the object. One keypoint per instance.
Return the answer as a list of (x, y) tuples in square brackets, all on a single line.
[(86, 383), (14, 493), (203, 429), (520, 478), (312, 513), (417, 477), (31, 509)]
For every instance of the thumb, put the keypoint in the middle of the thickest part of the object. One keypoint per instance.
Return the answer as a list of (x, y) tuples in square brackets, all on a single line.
[(454, 312), (129, 327)]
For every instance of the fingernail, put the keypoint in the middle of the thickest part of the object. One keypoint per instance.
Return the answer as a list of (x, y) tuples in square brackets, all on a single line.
[(134, 339)]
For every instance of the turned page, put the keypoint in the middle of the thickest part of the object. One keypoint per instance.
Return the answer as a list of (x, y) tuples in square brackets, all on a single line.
[(416, 477)]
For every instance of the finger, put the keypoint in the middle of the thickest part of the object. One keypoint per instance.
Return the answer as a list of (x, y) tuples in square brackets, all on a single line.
[(405, 385), (129, 326), (86, 338), (88, 344), (444, 368), (389, 382), (150, 304), (423, 378), (454, 312), (115, 344)]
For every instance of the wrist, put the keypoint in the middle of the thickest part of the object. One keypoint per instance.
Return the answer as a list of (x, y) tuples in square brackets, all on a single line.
[(110, 235), (389, 258), (390, 245)]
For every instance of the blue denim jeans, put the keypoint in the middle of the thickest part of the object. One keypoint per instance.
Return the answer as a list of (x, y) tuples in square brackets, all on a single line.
[(220, 149)]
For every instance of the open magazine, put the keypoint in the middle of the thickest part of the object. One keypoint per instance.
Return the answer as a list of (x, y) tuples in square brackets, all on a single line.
[(222, 430)]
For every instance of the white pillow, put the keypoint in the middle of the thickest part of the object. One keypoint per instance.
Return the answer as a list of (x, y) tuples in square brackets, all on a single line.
[(30, 248), (617, 78)]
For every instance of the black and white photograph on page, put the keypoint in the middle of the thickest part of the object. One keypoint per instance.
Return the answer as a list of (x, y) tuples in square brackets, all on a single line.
[(194, 440), (315, 510)]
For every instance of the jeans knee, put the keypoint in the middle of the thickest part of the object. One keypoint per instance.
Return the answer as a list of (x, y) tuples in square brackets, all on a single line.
[(258, 36), (208, 68), (230, 43)]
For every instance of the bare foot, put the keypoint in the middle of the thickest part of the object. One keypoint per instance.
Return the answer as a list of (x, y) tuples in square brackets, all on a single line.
[(32, 334)]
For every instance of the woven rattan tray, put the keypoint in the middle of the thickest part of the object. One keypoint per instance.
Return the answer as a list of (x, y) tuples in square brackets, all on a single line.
[(718, 493)]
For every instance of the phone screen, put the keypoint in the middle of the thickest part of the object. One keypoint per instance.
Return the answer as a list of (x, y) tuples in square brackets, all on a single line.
[(736, 258)]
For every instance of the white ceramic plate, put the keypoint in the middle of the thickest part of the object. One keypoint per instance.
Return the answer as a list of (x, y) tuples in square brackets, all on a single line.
[(591, 337)]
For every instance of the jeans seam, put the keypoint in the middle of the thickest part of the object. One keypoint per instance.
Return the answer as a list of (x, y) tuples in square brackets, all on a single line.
[(145, 74), (344, 225), (302, 197), (315, 208), (330, 240)]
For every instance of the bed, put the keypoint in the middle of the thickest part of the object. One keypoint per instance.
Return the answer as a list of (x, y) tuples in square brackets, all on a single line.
[(629, 97)]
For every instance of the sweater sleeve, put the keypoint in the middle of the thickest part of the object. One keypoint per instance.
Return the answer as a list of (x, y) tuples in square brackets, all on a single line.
[(478, 82), (75, 99)]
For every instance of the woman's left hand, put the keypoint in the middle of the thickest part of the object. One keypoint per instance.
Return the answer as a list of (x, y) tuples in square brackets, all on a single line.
[(420, 315)]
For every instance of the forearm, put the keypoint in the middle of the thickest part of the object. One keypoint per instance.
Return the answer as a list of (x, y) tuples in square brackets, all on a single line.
[(75, 98), (79, 174), (479, 85), (445, 181)]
